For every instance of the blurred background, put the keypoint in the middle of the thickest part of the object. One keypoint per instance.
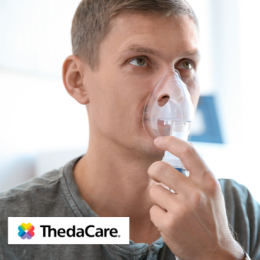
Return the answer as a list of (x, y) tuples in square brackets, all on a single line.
[(42, 127)]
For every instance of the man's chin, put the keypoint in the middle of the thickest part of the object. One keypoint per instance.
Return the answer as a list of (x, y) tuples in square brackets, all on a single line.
[(148, 149)]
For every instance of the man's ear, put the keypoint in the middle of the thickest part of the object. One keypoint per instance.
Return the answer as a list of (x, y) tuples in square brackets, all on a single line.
[(73, 79)]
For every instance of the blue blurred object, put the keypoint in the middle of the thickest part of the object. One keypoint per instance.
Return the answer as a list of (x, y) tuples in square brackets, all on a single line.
[(209, 123)]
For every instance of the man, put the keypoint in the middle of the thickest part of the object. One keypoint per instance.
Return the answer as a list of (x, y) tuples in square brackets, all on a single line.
[(121, 48)]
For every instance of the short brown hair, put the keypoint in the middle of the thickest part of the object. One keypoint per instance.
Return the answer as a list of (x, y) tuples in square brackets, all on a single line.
[(92, 21)]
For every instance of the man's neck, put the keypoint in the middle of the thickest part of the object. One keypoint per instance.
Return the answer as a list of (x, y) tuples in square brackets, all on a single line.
[(115, 183)]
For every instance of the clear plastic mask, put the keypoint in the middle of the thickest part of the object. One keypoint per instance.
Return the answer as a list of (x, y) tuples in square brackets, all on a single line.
[(169, 110)]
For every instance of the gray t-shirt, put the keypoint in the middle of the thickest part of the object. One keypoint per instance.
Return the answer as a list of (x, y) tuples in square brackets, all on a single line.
[(55, 194)]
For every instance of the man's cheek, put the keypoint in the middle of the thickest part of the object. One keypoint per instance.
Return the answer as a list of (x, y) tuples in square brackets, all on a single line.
[(193, 88), (195, 94)]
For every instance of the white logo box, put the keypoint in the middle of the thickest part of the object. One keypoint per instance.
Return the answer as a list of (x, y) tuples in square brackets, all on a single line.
[(71, 230)]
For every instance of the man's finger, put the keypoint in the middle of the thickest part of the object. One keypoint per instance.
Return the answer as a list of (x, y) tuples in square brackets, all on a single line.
[(162, 197), (158, 216), (166, 174), (186, 153)]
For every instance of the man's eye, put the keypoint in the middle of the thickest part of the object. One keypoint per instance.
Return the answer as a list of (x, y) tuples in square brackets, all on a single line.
[(141, 62), (186, 65)]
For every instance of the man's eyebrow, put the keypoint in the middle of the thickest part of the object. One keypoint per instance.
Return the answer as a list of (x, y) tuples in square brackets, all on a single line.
[(140, 49), (194, 52), (146, 50)]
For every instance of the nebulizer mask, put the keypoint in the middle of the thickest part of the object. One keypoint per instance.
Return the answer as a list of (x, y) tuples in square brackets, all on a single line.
[(169, 112)]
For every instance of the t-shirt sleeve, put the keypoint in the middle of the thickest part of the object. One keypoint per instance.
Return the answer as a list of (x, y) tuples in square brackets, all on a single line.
[(243, 213)]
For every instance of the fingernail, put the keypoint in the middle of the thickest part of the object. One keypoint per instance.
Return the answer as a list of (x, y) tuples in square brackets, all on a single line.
[(158, 139)]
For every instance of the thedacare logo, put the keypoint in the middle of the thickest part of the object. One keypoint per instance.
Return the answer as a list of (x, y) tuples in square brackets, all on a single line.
[(89, 231), (26, 231), (68, 230)]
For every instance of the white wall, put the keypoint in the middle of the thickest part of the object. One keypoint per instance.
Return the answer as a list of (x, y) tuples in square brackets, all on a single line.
[(38, 114), (206, 67), (225, 32), (35, 35), (249, 123)]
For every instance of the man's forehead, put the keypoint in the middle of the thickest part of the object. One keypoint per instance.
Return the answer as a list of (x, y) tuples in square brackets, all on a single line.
[(154, 36)]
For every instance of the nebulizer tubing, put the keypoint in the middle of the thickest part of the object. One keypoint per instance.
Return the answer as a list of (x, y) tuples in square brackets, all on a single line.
[(169, 112)]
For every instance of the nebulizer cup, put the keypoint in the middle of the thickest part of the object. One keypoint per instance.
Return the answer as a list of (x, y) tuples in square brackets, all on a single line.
[(169, 112)]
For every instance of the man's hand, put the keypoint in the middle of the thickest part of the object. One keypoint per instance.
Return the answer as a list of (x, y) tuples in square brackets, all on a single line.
[(192, 221)]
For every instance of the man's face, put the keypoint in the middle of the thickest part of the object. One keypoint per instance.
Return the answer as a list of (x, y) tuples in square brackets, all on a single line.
[(133, 57)]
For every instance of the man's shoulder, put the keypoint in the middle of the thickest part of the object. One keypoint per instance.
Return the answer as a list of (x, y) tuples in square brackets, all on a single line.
[(29, 197), (232, 190), (35, 183), (237, 197), (243, 213)]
